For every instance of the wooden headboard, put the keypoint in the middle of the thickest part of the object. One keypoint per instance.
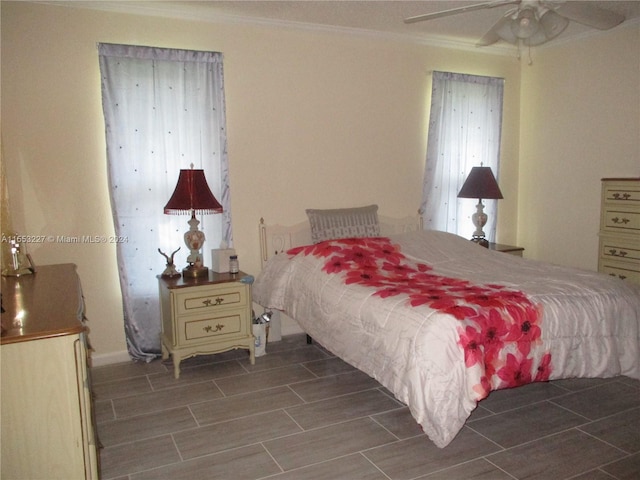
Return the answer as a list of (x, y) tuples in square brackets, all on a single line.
[(275, 239)]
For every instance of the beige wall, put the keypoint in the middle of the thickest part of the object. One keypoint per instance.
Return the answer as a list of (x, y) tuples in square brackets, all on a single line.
[(580, 122), (315, 119)]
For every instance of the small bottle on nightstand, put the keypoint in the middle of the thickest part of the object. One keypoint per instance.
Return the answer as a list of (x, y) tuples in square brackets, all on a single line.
[(234, 265)]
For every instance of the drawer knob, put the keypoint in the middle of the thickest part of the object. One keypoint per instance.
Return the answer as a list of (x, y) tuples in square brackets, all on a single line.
[(622, 220), (210, 329)]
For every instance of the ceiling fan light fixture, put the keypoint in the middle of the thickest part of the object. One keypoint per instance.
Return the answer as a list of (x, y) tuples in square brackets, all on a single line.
[(537, 38), (504, 28), (551, 25), (525, 24)]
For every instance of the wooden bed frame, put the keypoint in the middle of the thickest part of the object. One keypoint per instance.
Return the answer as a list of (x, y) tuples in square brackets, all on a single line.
[(275, 239)]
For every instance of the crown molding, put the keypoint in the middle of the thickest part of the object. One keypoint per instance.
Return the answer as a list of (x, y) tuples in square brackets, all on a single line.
[(172, 10)]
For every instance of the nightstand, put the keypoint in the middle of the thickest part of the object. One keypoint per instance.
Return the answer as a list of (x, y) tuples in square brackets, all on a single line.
[(205, 316), (510, 249)]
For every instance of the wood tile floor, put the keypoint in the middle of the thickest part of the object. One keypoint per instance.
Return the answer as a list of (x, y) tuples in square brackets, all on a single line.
[(301, 413)]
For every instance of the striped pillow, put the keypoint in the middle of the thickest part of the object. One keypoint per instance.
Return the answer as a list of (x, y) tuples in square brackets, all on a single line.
[(337, 223)]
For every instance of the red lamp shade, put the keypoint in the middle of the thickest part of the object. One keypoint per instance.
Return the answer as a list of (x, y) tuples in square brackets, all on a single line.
[(480, 184), (192, 194)]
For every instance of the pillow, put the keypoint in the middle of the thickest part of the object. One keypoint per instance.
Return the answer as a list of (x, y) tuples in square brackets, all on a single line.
[(343, 223)]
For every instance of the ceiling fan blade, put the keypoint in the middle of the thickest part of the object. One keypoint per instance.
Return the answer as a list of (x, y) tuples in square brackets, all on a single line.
[(588, 14), (455, 11), (492, 35)]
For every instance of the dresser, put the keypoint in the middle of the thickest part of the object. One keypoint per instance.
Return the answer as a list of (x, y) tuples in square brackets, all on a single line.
[(47, 421), (205, 316), (619, 254)]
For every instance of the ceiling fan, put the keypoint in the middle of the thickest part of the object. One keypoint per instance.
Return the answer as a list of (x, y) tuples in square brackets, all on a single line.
[(533, 22)]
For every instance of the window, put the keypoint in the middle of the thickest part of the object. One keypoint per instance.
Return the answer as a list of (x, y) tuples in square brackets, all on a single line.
[(164, 110), (464, 131)]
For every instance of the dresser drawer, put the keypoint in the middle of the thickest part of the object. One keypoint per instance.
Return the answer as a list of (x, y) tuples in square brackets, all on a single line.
[(622, 193), (625, 271), (203, 329), (211, 299), (621, 220), (617, 249)]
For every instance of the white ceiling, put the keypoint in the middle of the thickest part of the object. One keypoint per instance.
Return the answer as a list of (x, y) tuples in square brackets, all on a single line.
[(374, 16)]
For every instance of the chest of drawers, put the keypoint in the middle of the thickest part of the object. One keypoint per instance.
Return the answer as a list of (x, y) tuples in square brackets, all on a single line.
[(205, 316), (47, 411), (619, 253)]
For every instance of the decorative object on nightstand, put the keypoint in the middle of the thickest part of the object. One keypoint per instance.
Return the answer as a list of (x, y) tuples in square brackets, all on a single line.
[(619, 252), (205, 315), (192, 195), (480, 184), (170, 270), (220, 258)]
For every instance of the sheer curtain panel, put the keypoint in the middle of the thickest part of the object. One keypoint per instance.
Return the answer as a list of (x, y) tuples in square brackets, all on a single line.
[(164, 110), (464, 131)]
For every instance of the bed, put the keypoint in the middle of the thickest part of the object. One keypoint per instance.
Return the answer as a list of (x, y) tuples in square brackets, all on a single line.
[(438, 320)]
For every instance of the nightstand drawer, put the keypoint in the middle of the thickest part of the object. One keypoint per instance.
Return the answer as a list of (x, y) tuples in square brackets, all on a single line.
[(211, 299), (194, 330), (621, 220)]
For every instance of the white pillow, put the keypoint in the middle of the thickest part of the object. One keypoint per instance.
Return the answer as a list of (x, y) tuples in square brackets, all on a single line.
[(330, 224)]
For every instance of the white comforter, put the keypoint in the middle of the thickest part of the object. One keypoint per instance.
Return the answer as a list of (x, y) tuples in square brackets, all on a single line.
[(589, 325)]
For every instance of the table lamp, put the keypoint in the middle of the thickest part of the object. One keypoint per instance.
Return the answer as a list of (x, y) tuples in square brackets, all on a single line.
[(192, 195), (480, 184)]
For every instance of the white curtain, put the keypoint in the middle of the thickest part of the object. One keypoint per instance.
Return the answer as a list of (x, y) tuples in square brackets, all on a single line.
[(464, 131), (164, 110)]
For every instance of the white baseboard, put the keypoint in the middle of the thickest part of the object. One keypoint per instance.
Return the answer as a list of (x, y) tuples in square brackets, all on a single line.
[(98, 360)]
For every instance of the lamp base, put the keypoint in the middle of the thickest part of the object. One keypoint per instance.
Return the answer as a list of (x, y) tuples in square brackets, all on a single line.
[(193, 271), (480, 241)]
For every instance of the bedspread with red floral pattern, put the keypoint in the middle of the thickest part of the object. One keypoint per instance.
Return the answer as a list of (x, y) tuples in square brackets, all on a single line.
[(490, 316)]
